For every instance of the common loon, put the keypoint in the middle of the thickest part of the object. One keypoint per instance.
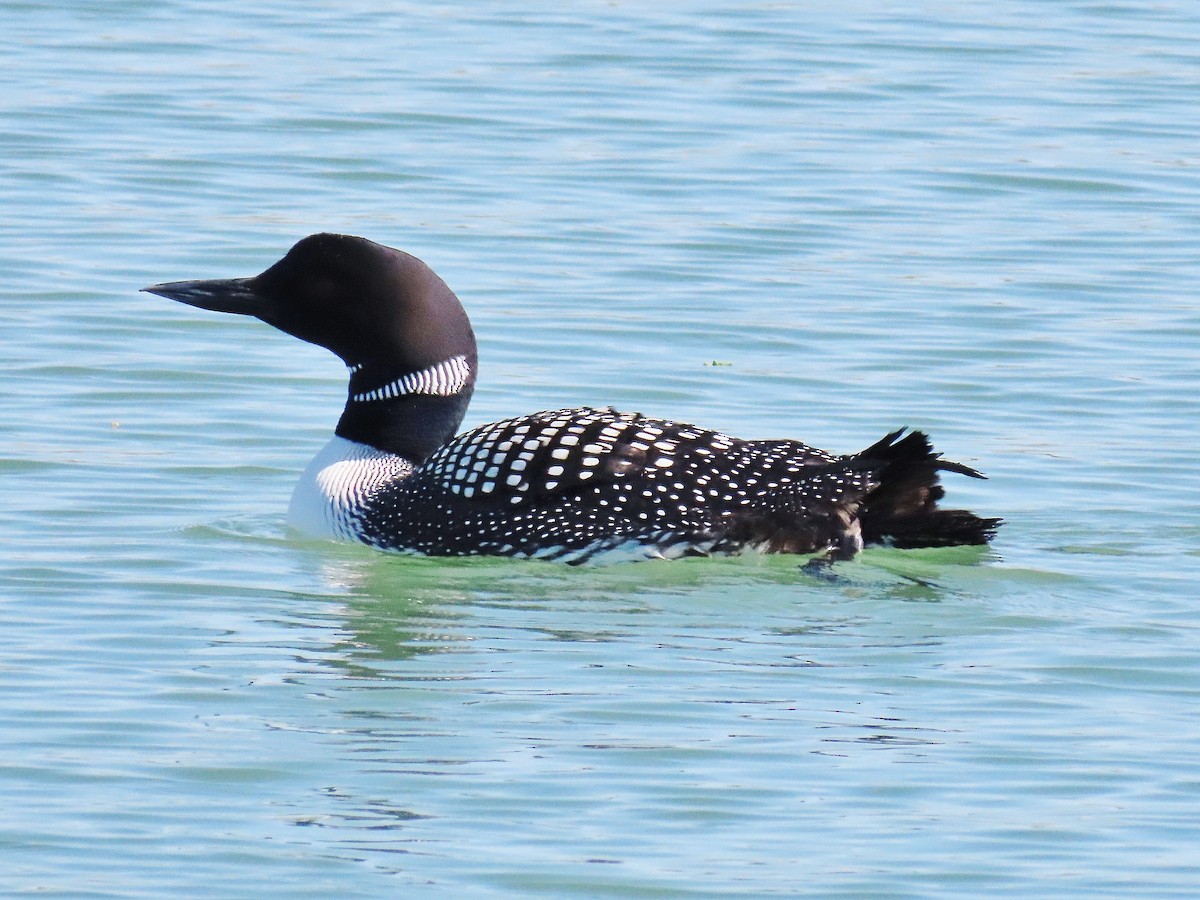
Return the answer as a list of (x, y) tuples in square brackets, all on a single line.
[(565, 484)]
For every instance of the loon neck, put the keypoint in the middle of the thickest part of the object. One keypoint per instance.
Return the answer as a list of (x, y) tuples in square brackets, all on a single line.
[(407, 412)]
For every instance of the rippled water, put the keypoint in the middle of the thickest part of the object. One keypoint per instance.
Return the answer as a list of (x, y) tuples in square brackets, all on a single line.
[(776, 220)]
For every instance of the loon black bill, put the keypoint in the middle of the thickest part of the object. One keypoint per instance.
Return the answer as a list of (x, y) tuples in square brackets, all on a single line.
[(228, 295)]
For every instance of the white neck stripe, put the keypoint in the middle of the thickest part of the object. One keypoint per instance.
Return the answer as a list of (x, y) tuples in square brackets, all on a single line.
[(445, 379)]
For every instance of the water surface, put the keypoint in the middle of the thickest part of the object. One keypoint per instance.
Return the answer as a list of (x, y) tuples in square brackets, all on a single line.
[(775, 220)]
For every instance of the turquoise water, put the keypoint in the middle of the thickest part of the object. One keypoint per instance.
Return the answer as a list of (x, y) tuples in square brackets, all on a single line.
[(775, 220)]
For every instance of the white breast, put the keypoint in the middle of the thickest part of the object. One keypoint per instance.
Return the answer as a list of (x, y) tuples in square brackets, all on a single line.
[(329, 498)]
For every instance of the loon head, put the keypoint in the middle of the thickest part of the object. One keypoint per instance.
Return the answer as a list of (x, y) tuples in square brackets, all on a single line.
[(392, 320), (366, 302)]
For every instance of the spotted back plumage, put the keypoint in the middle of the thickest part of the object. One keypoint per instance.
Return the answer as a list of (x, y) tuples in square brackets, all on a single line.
[(572, 483)]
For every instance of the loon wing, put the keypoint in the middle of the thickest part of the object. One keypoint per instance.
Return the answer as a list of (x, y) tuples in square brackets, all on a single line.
[(559, 452), (575, 481)]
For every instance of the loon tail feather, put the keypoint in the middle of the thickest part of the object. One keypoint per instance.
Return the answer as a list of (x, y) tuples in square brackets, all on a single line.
[(938, 528), (902, 511)]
